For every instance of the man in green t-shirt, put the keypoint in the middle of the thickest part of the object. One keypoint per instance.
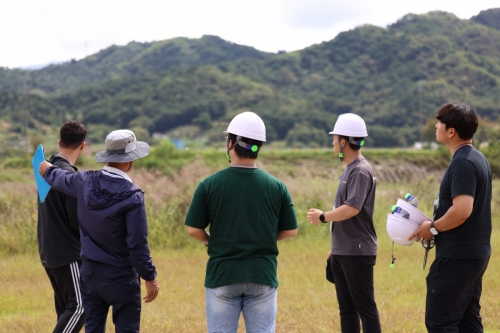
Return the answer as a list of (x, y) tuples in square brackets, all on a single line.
[(248, 211)]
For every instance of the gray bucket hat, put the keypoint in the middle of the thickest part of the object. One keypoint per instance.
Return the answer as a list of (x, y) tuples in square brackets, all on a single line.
[(121, 147)]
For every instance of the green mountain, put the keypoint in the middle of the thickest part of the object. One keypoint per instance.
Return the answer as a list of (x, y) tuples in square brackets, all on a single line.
[(490, 18), (395, 77), (120, 61)]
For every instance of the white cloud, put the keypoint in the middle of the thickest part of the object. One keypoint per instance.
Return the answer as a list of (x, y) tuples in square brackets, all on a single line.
[(320, 14), (35, 32)]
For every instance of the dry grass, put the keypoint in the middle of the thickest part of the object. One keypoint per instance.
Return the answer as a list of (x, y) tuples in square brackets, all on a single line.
[(306, 301)]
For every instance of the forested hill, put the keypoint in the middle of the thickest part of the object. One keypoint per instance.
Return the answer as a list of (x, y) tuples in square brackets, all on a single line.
[(132, 59), (490, 18), (394, 77)]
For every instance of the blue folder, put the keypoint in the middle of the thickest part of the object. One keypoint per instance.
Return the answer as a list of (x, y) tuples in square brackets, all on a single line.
[(42, 186)]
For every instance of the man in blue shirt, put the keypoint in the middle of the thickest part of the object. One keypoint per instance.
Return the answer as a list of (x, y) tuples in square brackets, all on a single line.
[(113, 233)]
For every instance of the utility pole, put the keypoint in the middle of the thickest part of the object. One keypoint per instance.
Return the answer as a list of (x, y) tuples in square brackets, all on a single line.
[(26, 118), (421, 114)]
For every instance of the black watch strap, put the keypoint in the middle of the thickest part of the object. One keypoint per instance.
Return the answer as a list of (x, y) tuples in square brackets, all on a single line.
[(322, 218), (433, 229)]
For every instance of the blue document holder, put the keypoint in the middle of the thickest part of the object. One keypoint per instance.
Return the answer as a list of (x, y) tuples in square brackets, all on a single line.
[(42, 186)]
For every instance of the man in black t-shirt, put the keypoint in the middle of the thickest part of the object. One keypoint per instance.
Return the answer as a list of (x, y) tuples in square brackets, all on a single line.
[(461, 227), (59, 235)]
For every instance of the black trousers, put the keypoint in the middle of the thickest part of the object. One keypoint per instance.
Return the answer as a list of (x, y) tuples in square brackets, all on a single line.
[(65, 282), (355, 293), (454, 288), (104, 286)]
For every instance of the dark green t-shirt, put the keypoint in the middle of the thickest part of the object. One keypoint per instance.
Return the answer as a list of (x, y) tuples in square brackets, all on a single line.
[(245, 209)]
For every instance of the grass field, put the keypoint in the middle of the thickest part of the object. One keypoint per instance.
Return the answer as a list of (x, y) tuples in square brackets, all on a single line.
[(306, 301)]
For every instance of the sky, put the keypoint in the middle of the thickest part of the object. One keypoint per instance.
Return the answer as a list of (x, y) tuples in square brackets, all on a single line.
[(35, 32)]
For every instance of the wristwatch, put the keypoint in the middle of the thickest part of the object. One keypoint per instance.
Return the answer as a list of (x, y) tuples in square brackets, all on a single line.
[(322, 218), (433, 230)]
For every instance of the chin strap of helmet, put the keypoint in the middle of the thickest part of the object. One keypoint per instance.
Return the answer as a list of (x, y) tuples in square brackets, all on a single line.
[(228, 149), (238, 138), (393, 258), (341, 153)]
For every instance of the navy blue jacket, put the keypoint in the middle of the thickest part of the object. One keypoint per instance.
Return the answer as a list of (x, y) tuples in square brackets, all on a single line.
[(112, 215)]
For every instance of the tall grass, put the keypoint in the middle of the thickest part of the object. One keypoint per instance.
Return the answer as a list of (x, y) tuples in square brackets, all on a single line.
[(306, 300), (18, 218)]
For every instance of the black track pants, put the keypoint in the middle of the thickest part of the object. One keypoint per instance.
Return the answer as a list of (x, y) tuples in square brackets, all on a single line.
[(67, 297)]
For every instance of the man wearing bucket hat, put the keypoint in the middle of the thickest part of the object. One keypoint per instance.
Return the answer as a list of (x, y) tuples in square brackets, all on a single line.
[(461, 227), (354, 241), (247, 211), (113, 232)]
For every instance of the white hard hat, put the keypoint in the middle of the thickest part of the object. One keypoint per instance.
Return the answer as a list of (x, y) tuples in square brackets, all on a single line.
[(415, 215), (249, 125), (350, 124), (399, 229)]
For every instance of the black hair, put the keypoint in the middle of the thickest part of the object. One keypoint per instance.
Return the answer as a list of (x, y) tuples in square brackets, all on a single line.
[(352, 145), (72, 134), (459, 116), (243, 152)]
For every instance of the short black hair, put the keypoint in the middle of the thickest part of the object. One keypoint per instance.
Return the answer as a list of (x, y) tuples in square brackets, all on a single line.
[(72, 134), (241, 151), (459, 116), (352, 145)]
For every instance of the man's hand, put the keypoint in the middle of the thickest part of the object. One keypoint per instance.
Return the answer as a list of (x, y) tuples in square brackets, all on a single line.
[(313, 215), (152, 289), (43, 168), (423, 232)]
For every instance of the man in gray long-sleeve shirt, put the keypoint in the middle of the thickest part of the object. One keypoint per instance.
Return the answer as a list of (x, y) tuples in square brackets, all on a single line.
[(113, 230)]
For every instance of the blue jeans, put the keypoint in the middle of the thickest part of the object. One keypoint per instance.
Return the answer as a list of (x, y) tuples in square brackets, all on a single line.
[(257, 302)]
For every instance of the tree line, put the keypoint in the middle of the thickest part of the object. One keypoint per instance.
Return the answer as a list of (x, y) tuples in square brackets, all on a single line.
[(394, 77)]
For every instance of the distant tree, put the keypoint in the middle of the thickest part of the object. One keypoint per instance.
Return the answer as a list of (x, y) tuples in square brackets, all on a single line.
[(203, 120), (305, 135), (490, 18)]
